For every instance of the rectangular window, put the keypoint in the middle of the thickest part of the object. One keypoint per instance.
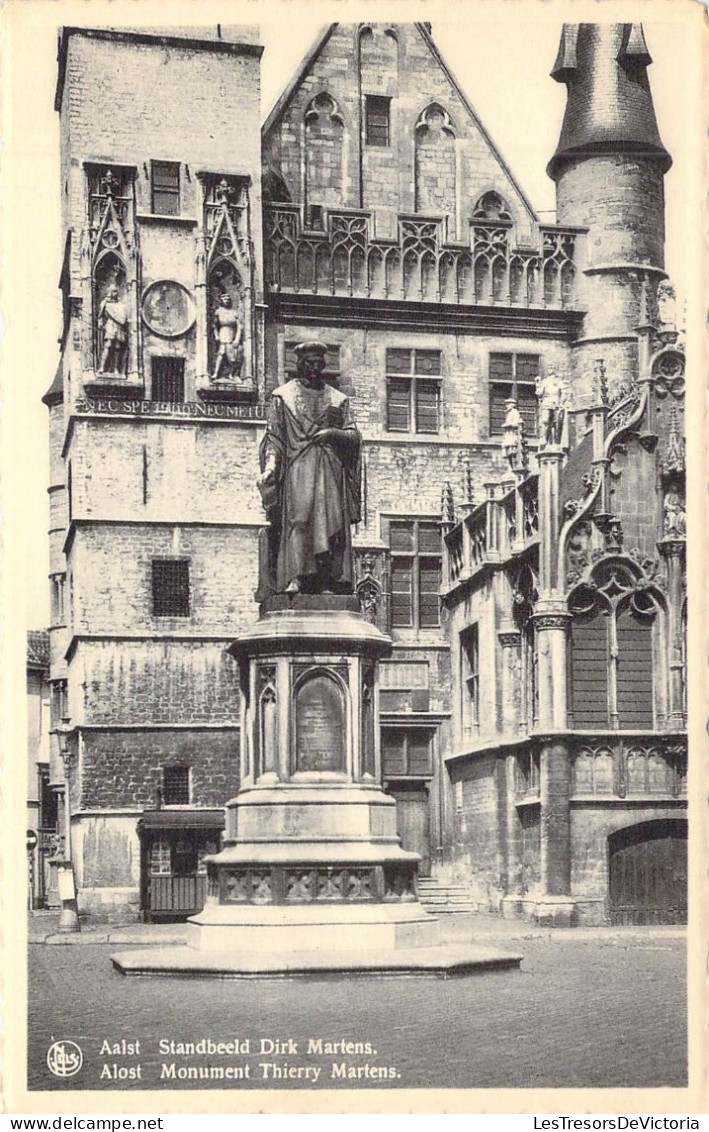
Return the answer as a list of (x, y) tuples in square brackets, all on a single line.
[(634, 672), (527, 774), (377, 115), (458, 795), (165, 188), (413, 381), (470, 658), (59, 702), (415, 546), (589, 672), (406, 753), (48, 808), (171, 587), (168, 382), (160, 865), (58, 584), (513, 375), (176, 785)]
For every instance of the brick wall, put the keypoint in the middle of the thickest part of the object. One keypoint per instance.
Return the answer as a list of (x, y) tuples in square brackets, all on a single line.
[(123, 769)]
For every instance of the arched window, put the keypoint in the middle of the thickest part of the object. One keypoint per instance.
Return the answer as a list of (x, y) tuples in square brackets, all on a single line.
[(590, 669), (634, 676), (324, 155), (611, 653), (436, 165)]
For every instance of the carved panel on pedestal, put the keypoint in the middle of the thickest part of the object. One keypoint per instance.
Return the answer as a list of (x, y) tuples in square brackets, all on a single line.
[(320, 724)]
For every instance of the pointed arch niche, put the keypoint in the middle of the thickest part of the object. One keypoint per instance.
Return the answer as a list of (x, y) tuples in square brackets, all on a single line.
[(324, 158), (225, 269), (110, 271), (436, 165)]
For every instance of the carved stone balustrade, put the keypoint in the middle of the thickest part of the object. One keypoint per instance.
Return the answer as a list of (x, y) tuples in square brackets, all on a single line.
[(345, 258)]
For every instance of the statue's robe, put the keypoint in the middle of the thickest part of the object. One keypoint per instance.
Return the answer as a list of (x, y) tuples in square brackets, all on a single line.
[(316, 494)]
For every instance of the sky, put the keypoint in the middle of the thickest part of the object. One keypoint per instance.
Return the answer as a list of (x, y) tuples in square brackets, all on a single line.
[(501, 61)]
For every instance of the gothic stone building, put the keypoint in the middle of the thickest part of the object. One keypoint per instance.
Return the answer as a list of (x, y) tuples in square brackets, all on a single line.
[(523, 550)]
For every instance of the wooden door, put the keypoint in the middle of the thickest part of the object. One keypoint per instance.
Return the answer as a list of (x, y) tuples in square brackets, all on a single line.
[(413, 823), (648, 873)]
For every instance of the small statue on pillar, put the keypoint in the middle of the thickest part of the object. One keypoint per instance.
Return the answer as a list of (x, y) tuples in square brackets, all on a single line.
[(675, 516), (551, 392), (229, 333), (113, 332), (309, 484), (667, 307), (511, 429)]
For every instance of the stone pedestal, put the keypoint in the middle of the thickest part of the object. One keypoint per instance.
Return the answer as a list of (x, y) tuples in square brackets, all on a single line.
[(311, 857)]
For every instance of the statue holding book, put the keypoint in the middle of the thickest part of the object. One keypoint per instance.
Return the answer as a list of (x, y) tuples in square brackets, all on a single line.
[(309, 484)]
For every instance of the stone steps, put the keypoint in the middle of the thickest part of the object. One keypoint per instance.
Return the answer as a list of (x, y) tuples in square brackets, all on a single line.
[(443, 897)]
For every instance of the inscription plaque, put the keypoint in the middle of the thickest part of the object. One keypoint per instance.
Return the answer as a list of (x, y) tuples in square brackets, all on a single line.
[(319, 726)]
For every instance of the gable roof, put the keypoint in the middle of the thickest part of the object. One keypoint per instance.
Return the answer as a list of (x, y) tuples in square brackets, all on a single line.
[(38, 648), (316, 48)]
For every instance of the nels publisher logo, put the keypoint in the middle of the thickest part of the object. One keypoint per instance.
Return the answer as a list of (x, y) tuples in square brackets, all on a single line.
[(64, 1058)]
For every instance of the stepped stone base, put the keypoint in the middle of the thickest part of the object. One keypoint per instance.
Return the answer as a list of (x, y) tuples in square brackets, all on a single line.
[(307, 928), (444, 962)]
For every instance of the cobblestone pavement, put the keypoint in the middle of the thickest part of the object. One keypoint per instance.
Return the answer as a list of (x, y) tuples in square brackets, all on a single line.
[(594, 1011)]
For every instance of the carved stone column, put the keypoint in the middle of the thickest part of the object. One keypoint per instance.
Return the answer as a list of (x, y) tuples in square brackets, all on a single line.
[(555, 791), (550, 459), (509, 638), (673, 551)]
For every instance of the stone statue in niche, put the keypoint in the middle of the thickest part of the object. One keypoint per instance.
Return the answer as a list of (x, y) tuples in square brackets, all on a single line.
[(551, 392), (675, 517), (113, 332), (667, 306), (229, 334), (309, 484)]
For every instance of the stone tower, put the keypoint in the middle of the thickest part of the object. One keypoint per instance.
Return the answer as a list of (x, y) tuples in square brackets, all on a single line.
[(609, 167)]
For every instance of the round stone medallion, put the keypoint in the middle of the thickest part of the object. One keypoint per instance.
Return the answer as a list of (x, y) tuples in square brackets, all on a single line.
[(168, 308)]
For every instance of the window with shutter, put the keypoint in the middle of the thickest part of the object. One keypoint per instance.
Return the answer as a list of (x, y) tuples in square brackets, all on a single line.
[(406, 752), (415, 546), (377, 120), (402, 594), (589, 672), (165, 185), (513, 375), (634, 673), (413, 379)]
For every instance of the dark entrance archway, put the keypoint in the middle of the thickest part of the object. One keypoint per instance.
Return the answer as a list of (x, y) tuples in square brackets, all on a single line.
[(647, 866)]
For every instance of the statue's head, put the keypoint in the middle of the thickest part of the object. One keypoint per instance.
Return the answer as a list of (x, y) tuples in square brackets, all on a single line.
[(225, 299), (310, 358), (113, 292)]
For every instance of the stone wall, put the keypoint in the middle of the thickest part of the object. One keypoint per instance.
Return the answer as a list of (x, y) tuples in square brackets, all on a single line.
[(401, 64), (122, 769)]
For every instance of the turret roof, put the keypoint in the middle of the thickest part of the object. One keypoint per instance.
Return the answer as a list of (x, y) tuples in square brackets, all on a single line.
[(609, 104)]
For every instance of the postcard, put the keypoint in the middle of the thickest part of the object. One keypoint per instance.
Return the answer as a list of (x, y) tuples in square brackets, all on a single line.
[(353, 461)]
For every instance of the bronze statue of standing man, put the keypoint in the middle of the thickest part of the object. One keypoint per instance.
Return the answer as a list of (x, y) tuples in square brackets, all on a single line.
[(309, 484)]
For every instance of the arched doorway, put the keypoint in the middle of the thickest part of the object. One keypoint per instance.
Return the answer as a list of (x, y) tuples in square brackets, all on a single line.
[(647, 881)]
